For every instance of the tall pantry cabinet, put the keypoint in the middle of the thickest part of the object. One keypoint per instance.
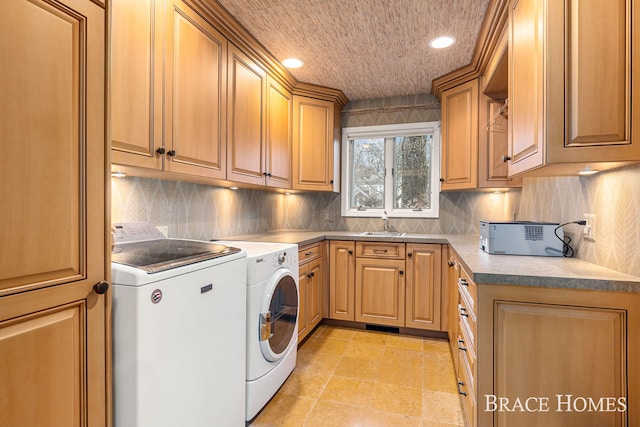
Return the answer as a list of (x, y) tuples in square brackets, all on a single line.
[(54, 303)]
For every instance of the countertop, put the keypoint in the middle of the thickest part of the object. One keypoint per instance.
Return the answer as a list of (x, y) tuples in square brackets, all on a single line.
[(550, 272)]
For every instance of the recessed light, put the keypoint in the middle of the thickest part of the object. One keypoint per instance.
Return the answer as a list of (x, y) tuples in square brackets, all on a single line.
[(292, 63), (442, 42)]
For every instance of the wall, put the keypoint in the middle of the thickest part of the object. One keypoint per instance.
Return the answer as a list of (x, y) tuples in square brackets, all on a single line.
[(614, 197)]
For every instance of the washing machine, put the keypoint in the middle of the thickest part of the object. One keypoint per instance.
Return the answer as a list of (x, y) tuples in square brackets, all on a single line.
[(179, 313), (272, 319)]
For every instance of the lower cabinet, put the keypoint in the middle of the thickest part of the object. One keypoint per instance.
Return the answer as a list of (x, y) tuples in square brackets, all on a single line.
[(528, 356), (311, 288), (386, 283), (342, 280)]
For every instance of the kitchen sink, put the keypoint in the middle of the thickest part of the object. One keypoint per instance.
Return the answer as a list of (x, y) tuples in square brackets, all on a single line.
[(383, 233)]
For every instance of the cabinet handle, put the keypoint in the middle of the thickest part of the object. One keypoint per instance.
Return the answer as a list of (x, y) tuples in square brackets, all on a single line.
[(460, 383), (461, 343), (441, 179), (101, 287), (312, 274), (401, 272), (506, 158), (463, 282), (161, 150), (410, 255), (350, 252), (462, 311), (380, 251), (171, 153), (331, 182), (308, 254), (451, 263)]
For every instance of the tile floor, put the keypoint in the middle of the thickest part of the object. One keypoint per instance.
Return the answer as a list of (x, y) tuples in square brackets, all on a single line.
[(357, 378)]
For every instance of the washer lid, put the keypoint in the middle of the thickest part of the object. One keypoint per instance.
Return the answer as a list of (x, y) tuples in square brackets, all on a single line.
[(153, 256)]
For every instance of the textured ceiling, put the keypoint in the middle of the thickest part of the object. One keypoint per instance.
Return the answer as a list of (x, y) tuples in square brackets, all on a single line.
[(366, 48)]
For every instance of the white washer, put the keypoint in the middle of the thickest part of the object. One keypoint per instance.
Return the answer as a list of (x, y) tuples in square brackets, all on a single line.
[(179, 320), (272, 318)]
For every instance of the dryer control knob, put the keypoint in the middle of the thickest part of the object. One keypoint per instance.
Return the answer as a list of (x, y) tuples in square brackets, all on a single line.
[(282, 257)]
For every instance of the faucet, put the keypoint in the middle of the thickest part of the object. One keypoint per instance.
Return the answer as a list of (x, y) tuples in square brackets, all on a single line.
[(385, 221)]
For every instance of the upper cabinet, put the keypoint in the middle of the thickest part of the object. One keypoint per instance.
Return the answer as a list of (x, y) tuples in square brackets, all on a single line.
[(195, 94), (136, 83), (246, 106), (570, 87), (316, 144), (460, 137), (179, 127), (195, 97)]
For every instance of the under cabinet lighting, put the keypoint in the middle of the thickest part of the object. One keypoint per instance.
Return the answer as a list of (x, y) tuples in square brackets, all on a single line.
[(442, 42), (588, 171), (233, 188), (118, 174)]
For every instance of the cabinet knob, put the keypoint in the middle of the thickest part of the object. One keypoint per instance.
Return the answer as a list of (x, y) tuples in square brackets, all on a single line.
[(350, 252), (463, 282), (451, 263), (161, 150), (461, 345), (401, 272), (171, 153), (101, 287), (331, 182), (441, 179), (410, 255), (506, 158)]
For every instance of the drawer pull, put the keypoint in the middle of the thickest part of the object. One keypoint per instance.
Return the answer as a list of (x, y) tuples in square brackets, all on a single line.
[(380, 251), (460, 383), (308, 254), (462, 311), (463, 282), (461, 345)]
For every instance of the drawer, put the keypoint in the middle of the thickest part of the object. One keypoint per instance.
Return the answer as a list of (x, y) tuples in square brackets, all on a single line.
[(468, 288), (466, 348), (309, 253), (467, 318), (466, 391), (380, 250)]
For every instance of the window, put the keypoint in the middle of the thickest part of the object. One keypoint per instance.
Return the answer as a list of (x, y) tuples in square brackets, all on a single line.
[(393, 169)]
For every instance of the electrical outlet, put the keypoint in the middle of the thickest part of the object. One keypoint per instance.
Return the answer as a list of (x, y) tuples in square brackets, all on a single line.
[(589, 230)]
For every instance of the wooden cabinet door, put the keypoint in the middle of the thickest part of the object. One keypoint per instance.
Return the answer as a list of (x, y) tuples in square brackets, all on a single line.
[(342, 280), (195, 94), (246, 108), (54, 330), (460, 137), (380, 293), (423, 298), (303, 309), (313, 144), (526, 85), (278, 135), (570, 351), (136, 82), (314, 297)]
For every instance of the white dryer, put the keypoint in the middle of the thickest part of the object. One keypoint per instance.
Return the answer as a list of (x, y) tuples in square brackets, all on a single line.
[(272, 318)]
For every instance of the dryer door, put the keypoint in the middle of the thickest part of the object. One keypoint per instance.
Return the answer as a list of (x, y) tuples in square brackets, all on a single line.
[(279, 315)]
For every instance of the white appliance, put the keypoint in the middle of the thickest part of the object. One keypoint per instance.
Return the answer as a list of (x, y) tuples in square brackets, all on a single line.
[(179, 320), (272, 318), (521, 238)]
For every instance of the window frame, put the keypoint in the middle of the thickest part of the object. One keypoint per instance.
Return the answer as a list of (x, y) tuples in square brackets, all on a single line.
[(390, 131)]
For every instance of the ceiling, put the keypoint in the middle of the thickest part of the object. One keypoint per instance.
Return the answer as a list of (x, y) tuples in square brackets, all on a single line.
[(367, 48)]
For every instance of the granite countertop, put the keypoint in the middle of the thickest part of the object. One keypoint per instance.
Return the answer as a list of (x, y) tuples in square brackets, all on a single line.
[(553, 272)]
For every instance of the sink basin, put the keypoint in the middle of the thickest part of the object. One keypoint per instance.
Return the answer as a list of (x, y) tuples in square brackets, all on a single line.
[(383, 233)]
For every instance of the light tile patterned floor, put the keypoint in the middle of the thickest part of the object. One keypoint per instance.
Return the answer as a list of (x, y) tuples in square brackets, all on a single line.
[(356, 378)]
